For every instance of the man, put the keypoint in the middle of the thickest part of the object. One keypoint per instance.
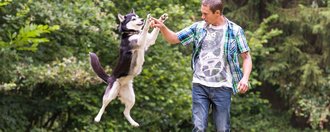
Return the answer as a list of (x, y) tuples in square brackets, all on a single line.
[(217, 44)]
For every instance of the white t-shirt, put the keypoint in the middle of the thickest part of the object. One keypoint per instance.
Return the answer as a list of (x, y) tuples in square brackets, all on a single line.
[(212, 68)]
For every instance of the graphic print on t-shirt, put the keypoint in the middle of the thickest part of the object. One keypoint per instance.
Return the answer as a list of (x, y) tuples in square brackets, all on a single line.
[(211, 66)]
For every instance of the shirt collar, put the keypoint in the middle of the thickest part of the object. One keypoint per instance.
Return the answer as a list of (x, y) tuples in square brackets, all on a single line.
[(229, 25)]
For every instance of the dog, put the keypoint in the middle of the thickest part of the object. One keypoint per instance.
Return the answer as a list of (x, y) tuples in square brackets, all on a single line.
[(135, 41)]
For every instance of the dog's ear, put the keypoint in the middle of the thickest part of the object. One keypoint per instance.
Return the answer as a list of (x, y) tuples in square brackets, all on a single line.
[(133, 11), (121, 17)]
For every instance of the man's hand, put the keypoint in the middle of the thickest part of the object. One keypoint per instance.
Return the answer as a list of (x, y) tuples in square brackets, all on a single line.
[(243, 86), (155, 23), (168, 34)]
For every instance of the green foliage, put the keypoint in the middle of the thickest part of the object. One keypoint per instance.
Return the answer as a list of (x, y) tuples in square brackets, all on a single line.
[(258, 39), (299, 63), (253, 114), (12, 118), (89, 24), (261, 36), (5, 2), (50, 95), (28, 38)]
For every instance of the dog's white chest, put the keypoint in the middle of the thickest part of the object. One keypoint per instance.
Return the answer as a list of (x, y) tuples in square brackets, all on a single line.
[(134, 37), (138, 54)]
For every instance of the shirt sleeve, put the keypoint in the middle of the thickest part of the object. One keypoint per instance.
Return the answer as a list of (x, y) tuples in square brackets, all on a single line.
[(241, 42), (186, 35)]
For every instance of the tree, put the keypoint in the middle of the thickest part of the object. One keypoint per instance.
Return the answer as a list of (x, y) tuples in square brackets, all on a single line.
[(299, 61)]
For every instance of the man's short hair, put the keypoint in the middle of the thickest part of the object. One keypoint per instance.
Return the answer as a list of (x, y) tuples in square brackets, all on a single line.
[(214, 5)]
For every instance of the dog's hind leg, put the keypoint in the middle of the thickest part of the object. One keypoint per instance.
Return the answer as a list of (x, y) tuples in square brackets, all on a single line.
[(127, 97), (109, 95)]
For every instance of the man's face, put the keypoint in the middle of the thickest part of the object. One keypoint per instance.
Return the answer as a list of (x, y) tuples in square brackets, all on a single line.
[(208, 16)]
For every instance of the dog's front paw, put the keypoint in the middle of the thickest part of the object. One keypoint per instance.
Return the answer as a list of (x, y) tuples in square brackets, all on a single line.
[(164, 17), (148, 21), (149, 18)]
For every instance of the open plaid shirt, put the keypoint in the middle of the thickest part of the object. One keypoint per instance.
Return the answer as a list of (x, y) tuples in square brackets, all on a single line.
[(235, 44)]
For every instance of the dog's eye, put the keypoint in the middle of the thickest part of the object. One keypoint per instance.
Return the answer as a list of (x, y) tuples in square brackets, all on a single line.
[(133, 19)]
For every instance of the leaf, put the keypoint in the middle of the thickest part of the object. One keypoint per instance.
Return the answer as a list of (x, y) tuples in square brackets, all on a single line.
[(3, 44), (6, 2), (29, 38)]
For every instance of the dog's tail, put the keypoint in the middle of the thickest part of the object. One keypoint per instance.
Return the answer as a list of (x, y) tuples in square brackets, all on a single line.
[(98, 69)]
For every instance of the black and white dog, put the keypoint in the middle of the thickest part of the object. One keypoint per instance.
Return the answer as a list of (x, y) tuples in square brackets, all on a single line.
[(134, 42)]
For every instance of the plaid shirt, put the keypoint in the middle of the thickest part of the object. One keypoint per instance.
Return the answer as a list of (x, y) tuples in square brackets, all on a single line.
[(235, 44)]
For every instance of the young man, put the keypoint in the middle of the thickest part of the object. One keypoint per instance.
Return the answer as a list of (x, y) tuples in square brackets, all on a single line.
[(217, 44)]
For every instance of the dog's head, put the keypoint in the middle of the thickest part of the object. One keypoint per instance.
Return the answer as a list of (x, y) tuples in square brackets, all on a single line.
[(130, 22)]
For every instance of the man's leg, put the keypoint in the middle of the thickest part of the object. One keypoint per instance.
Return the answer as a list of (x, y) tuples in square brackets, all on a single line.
[(200, 107), (221, 100)]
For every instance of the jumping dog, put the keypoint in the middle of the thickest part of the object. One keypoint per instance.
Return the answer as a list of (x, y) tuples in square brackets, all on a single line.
[(135, 40)]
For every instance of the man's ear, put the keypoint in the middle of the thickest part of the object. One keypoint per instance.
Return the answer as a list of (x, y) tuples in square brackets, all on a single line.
[(218, 12), (121, 17)]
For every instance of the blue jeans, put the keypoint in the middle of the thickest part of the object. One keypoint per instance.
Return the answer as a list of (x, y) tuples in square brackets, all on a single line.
[(220, 99)]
